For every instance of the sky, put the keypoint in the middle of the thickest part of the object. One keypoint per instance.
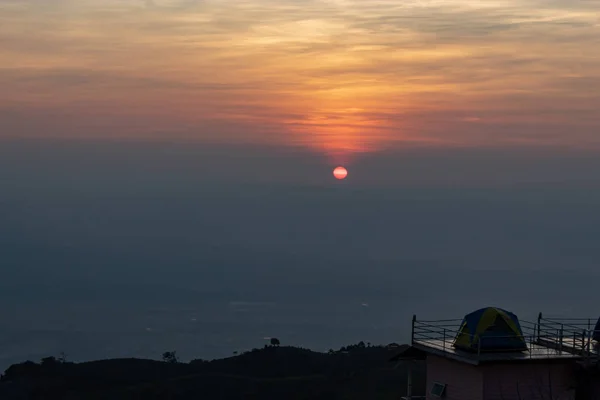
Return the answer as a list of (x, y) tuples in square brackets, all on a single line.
[(174, 157), (339, 77)]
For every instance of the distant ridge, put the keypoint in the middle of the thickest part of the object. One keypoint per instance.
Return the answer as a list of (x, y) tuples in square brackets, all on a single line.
[(352, 372)]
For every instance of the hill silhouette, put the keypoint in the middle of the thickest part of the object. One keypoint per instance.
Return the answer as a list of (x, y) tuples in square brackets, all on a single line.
[(274, 372)]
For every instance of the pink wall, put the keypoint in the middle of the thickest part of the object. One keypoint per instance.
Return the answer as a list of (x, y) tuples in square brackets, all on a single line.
[(528, 381), (517, 381), (463, 381)]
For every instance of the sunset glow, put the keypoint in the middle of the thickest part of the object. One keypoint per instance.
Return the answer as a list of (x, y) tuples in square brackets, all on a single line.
[(336, 76)]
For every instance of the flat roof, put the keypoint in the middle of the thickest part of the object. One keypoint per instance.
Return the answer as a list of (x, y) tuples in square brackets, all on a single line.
[(546, 339), (535, 352)]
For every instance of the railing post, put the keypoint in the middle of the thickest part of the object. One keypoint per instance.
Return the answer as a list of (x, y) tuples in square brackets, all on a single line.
[(444, 345), (588, 344), (560, 338), (412, 333), (539, 326), (531, 341)]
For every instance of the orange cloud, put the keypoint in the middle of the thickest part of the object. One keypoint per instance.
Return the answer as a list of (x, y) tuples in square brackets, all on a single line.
[(340, 76)]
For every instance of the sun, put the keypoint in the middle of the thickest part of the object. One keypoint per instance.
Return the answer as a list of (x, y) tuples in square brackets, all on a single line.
[(340, 173)]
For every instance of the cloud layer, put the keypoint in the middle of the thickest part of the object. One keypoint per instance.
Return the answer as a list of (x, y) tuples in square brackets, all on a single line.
[(337, 75)]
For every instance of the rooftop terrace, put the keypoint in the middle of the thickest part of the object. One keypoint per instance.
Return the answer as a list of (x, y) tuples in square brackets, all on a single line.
[(548, 338)]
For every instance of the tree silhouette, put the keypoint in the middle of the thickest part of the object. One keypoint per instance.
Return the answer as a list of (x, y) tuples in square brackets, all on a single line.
[(275, 342), (170, 357)]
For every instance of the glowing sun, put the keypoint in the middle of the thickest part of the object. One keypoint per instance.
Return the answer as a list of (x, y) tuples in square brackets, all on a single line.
[(340, 173)]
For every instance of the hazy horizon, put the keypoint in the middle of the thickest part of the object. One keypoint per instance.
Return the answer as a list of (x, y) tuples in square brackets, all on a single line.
[(131, 248)]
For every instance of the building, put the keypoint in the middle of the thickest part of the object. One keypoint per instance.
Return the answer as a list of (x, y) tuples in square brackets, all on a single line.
[(491, 355)]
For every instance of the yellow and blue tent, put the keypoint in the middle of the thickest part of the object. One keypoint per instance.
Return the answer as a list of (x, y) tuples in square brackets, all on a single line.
[(490, 329)]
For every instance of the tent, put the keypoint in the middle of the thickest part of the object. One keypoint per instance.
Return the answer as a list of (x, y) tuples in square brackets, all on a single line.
[(596, 335), (490, 329)]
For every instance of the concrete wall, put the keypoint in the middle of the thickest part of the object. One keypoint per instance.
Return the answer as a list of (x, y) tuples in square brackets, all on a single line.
[(528, 381), (463, 381)]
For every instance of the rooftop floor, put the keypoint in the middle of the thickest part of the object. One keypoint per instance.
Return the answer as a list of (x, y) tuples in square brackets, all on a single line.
[(546, 340), (536, 351)]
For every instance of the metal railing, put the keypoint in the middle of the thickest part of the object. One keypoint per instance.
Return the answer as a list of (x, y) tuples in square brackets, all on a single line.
[(441, 335), (547, 337), (437, 334), (581, 323), (574, 334)]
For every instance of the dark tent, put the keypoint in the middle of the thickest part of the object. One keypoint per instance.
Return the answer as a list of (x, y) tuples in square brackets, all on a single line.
[(490, 329)]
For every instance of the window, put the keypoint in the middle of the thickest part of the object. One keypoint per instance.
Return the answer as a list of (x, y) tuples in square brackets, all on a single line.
[(438, 389)]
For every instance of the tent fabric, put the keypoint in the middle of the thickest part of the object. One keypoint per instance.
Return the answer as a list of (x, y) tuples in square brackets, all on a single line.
[(596, 335), (490, 329)]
